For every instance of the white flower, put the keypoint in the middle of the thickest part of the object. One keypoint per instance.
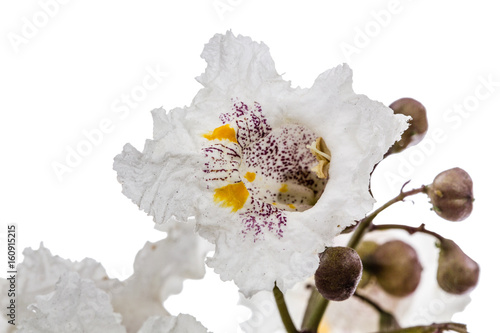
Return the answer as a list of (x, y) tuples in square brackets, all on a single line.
[(159, 271), (428, 304), (169, 324), (40, 271), (245, 159), (76, 305), (160, 268)]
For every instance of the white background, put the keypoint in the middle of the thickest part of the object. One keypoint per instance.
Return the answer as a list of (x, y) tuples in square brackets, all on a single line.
[(73, 70)]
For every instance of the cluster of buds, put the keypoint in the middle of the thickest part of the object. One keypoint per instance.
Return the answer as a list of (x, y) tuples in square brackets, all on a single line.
[(395, 265)]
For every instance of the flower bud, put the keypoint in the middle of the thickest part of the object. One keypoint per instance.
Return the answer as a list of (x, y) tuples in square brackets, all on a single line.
[(451, 194), (418, 124), (457, 273), (338, 273), (396, 267)]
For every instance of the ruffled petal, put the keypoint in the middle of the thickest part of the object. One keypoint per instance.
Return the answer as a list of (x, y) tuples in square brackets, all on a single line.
[(160, 269), (236, 65), (40, 271), (76, 305), (153, 179)]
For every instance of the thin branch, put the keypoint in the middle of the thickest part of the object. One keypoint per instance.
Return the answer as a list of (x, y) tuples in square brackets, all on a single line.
[(410, 230), (365, 223), (283, 310)]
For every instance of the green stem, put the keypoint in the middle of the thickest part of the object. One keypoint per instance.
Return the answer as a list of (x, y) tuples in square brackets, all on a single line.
[(370, 302), (365, 224), (282, 308), (316, 307), (434, 328), (410, 230), (386, 320)]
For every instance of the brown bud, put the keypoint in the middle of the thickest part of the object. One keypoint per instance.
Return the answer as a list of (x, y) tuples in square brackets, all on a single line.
[(396, 266), (457, 273), (418, 124), (338, 273), (451, 194)]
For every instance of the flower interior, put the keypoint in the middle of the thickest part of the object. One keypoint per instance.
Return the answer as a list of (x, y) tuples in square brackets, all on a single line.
[(260, 172)]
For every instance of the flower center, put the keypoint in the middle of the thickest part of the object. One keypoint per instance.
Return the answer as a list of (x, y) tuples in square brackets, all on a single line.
[(258, 172), (278, 169)]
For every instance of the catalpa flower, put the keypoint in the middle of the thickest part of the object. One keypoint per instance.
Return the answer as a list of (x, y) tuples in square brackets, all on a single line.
[(271, 173), (76, 305), (59, 295)]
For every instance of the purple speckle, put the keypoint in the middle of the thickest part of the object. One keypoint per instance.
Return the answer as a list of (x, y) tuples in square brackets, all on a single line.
[(277, 156)]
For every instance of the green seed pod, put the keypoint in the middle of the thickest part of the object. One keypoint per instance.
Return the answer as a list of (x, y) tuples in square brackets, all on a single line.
[(338, 273), (451, 194), (457, 273), (396, 267), (418, 124)]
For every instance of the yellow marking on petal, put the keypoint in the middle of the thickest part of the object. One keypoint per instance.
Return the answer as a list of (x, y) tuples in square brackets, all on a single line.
[(232, 196), (274, 203), (291, 206), (323, 327), (284, 188), (224, 132), (250, 176)]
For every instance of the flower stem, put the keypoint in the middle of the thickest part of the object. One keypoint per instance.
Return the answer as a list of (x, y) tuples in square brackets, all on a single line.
[(386, 321), (283, 310), (365, 224), (410, 230), (434, 328), (316, 307), (370, 302)]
